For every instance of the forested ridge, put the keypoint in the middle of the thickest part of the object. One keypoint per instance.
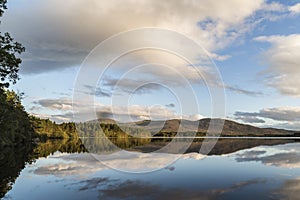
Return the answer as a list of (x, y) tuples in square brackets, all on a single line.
[(15, 125)]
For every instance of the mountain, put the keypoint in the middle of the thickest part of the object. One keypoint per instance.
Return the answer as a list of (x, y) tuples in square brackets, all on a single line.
[(230, 128)]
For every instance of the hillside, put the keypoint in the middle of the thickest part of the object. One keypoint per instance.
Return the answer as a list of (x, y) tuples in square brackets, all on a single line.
[(230, 128)]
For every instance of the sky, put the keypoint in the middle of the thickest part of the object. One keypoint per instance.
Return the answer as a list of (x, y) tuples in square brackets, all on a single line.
[(243, 59)]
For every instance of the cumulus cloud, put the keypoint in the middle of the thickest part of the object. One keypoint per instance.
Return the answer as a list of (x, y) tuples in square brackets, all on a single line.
[(248, 119), (139, 112), (281, 113), (283, 60), (291, 114), (274, 6), (136, 112), (55, 104), (62, 38), (284, 117), (120, 113), (295, 9)]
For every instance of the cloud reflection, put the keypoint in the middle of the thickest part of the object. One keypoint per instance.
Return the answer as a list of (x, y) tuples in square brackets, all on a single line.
[(82, 164), (285, 156), (289, 190), (137, 189)]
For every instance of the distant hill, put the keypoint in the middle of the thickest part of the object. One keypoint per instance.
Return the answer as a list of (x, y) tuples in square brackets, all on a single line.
[(230, 128)]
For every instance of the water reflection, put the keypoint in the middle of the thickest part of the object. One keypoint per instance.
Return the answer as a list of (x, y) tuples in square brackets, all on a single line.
[(290, 189), (264, 169), (12, 161), (135, 189), (80, 164), (146, 145), (287, 156)]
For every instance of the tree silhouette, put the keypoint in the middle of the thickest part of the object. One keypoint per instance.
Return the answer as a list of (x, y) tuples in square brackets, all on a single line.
[(9, 62)]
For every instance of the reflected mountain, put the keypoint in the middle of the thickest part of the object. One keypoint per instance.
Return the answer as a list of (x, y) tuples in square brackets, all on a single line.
[(222, 146), (14, 159), (77, 172)]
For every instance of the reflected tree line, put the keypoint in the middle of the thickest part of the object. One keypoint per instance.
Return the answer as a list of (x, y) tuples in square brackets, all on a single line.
[(13, 159)]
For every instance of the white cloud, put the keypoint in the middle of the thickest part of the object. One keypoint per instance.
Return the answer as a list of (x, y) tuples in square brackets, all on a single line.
[(287, 113), (62, 104), (287, 117), (283, 59), (249, 119), (274, 6), (120, 113), (295, 9), (65, 36), (58, 118), (282, 113)]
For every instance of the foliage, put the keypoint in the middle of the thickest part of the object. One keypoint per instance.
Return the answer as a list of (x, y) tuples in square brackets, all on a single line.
[(14, 123), (45, 128), (9, 62), (94, 129), (14, 158)]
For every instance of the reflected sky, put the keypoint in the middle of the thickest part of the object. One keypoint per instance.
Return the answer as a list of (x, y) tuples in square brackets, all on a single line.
[(263, 172), (286, 156)]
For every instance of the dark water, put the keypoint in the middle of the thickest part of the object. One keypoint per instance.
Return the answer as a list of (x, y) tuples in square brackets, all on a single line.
[(234, 169)]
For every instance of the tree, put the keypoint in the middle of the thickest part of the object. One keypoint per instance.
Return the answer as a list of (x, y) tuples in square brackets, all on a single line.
[(14, 99), (14, 122), (9, 62)]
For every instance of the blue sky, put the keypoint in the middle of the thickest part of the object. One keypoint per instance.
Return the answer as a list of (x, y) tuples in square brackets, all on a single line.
[(254, 44)]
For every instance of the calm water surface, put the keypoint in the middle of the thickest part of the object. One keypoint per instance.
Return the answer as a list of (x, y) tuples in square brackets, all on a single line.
[(246, 169)]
